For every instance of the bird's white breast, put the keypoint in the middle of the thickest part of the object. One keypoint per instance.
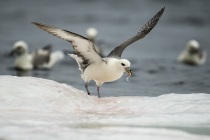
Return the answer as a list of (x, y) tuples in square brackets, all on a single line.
[(24, 62), (102, 72), (189, 58)]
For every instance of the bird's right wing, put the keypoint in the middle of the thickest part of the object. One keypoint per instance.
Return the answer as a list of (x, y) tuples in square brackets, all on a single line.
[(117, 52)]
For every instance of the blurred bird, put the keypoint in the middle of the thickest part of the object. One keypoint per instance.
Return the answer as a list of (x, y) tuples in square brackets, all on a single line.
[(42, 58), (192, 54), (91, 34)]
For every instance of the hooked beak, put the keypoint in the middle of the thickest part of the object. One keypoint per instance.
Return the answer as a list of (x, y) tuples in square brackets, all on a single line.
[(129, 71), (12, 53), (16, 52)]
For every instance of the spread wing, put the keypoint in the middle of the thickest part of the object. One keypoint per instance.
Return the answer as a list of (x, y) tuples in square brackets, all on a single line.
[(117, 52), (83, 46)]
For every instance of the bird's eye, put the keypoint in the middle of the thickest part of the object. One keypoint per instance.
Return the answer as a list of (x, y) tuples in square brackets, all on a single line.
[(122, 64), (18, 48)]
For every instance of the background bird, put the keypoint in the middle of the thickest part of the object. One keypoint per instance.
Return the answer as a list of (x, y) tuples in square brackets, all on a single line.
[(42, 58), (192, 54)]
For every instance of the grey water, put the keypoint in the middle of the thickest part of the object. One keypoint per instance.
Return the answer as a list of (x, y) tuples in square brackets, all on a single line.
[(153, 58)]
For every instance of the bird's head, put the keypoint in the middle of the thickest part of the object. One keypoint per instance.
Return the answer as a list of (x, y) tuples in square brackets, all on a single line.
[(124, 64), (19, 48), (194, 48)]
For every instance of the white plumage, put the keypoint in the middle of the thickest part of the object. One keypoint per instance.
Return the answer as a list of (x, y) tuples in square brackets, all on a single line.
[(91, 64)]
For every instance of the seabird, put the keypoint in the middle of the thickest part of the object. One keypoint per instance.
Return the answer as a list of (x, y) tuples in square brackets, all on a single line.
[(91, 64), (42, 58), (192, 54), (91, 34)]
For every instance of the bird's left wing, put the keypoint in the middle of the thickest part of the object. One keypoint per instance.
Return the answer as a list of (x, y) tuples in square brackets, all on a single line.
[(117, 52), (83, 46)]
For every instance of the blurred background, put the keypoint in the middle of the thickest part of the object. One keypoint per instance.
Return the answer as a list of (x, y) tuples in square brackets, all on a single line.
[(154, 58)]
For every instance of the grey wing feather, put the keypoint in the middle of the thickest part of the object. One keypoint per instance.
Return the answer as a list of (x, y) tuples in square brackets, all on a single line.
[(42, 56), (40, 60), (47, 47), (117, 52)]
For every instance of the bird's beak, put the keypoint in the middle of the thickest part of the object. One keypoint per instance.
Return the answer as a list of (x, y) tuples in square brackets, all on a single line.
[(12, 52), (129, 71)]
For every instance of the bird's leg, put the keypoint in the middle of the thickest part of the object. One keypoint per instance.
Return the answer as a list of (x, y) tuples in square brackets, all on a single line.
[(86, 86), (98, 88)]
